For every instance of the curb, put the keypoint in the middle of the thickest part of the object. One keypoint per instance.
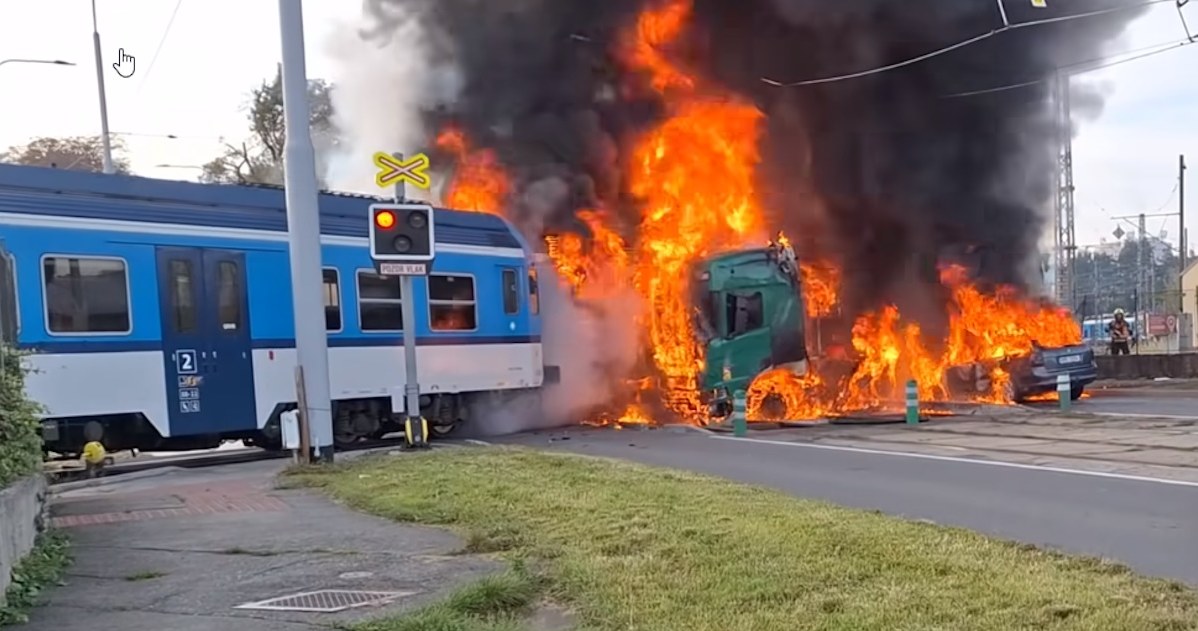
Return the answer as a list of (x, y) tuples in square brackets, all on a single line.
[(114, 479)]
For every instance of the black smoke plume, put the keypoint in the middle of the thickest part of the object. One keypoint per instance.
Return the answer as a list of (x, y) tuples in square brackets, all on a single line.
[(885, 174)]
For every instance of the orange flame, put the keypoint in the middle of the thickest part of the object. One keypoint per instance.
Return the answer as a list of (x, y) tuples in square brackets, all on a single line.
[(983, 330), (694, 173), (480, 183), (694, 177), (821, 283)]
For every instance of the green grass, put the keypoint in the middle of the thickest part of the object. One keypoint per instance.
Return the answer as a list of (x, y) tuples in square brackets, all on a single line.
[(495, 603), (634, 547), (41, 568)]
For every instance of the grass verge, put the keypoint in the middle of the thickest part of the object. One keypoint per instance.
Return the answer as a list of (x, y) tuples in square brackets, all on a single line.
[(635, 547), (40, 569), (495, 603)]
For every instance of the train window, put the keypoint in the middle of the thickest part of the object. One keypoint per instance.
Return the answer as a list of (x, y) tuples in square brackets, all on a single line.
[(9, 317), (451, 303), (379, 301), (229, 295), (511, 292), (86, 295), (534, 297), (332, 299), (745, 313), (182, 296)]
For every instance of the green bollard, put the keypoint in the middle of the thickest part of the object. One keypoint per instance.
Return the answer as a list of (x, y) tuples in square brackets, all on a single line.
[(739, 419), (1063, 392), (912, 403)]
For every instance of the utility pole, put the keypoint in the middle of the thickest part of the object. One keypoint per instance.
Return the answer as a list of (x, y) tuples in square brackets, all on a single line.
[(1065, 236), (303, 229), (1181, 234), (104, 138), (1141, 269)]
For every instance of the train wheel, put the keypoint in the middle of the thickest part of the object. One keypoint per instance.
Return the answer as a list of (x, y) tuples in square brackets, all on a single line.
[(441, 430)]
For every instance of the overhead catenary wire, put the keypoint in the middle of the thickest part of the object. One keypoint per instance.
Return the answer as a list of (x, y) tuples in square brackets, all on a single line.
[(947, 49), (162, 40), (1182, 17), (1155, 49)]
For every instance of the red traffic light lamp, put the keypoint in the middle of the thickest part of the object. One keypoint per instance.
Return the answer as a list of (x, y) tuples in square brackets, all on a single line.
[(384, 219)]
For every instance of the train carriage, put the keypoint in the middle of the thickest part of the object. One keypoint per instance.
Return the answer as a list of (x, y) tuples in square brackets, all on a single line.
[(159, 313)]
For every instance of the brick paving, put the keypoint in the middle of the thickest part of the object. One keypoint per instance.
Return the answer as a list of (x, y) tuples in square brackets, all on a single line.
[(230, 496)]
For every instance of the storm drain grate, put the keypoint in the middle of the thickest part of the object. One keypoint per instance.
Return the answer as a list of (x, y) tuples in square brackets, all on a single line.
[(325, 601)]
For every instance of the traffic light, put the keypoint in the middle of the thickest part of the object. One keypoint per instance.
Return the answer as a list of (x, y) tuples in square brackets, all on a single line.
[(401, 232)]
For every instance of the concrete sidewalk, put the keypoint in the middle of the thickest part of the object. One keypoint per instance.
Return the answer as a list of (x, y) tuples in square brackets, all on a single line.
[(183, 550)]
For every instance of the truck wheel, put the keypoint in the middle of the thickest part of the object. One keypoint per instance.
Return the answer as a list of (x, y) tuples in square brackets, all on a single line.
[(1075, 392)]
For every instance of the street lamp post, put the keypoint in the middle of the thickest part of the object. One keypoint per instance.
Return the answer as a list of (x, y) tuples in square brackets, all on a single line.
[(108, 167)]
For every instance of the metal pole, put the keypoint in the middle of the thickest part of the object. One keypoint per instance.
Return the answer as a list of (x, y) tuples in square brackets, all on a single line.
[(1181, 236), (108, 166), (1141, 252), (407, 305), (303, 227)]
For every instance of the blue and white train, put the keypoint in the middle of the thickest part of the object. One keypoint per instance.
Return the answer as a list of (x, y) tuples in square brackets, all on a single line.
[(159, 313)]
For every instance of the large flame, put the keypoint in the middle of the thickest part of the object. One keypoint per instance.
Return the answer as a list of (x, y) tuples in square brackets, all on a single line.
[(694, 173), (693, 176), (479, 183), (983, 331)]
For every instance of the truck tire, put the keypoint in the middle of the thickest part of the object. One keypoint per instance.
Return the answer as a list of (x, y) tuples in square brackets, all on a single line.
[(1075, 392)]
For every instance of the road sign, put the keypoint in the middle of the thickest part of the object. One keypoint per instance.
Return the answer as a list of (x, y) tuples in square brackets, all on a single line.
[(394, 170), (402, 269), (402, 233)]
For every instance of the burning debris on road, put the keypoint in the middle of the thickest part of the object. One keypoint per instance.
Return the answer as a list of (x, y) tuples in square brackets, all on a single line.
[(638, 135)]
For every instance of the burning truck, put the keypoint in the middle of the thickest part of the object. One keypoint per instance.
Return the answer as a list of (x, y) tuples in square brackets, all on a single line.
[(752, 321)]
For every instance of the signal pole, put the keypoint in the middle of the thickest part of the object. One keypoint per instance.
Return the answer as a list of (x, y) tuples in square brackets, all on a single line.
[(407, 294), (303, 229)]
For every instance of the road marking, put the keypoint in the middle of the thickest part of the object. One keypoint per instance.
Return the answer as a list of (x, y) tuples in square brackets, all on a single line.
[(991, 463), (1176, 417)]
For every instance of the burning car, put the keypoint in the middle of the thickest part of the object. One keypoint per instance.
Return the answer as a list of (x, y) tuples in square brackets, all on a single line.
[(1027, 376)]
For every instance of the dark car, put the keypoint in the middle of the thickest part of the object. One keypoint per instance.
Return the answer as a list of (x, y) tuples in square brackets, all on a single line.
[(1037, 373), (1032, 374)]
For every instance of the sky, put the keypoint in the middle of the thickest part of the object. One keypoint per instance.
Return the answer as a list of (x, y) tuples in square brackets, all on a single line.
[(196, 85)]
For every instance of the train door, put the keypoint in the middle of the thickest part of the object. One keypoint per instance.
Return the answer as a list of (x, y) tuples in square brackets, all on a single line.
[(206, 341), (8, 298)]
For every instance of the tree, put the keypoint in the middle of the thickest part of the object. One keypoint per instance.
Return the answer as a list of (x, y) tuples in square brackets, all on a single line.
[(1105, 282), (80, 153), (259, 160)]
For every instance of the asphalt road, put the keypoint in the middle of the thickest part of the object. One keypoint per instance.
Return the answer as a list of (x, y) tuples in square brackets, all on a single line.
[(1140, 401), (1150, 526)]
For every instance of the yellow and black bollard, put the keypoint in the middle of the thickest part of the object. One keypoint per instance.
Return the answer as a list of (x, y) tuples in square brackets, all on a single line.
[(415, 431)]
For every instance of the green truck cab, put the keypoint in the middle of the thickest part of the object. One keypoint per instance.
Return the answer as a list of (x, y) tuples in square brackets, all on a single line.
[(750, 318)]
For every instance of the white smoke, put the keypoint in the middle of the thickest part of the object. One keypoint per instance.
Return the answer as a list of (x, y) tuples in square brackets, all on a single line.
[(595, 348), (381, 87)]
